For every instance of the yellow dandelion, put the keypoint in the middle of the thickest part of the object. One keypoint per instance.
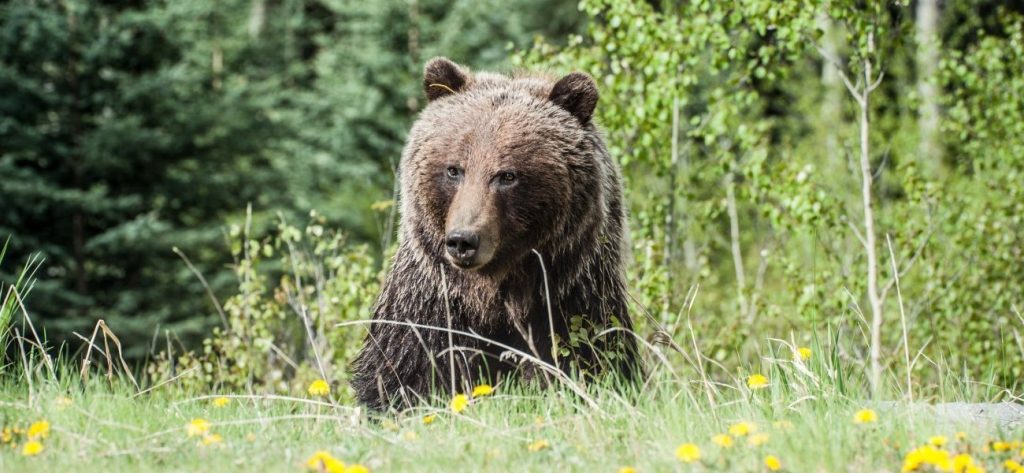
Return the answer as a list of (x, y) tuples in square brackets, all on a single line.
[(38, 430), (757, 440), (324, 462), (483, 390), (1000, 446), (722, 440), (62, 402), (1013, 466), (250, 437), (32, 448), (688, 453), (221, 401), (772, 463), (963, 463), (197, 427), (865, 416), (803, 353), (319, 388), (627, 469), (741, 429), (757, 381), (6, 435), (410, 435), (357, 468), (960, 436), (538, 445), (927, 456), (459, 403), (938, 441), (429, 419), (211, 439)]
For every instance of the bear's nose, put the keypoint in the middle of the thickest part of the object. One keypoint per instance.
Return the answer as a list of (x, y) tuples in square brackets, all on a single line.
[(462, 245)]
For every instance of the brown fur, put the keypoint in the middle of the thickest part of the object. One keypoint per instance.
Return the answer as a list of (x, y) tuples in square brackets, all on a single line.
[(518, 162)]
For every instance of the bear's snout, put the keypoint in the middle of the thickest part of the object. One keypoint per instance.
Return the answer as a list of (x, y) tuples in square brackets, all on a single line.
[(462, 246)]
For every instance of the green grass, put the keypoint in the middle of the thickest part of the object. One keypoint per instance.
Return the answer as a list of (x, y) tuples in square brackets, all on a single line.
[(109, 428)]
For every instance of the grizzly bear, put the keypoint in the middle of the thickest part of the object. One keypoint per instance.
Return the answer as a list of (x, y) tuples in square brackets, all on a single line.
[(511, 243)]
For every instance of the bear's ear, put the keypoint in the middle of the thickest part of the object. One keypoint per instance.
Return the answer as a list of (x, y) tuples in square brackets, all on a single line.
[(577, 94), (442, 77)]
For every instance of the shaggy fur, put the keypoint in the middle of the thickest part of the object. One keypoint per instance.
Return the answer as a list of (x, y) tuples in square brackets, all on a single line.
[(565, 201)]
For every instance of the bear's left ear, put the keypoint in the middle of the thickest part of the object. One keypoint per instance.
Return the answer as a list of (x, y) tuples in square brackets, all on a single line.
[(577, 94)]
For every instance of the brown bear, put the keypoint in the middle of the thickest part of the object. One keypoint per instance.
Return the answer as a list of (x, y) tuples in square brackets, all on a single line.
[(499, 172)]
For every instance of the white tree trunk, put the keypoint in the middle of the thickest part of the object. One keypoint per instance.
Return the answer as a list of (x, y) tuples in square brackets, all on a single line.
[(929, 149)]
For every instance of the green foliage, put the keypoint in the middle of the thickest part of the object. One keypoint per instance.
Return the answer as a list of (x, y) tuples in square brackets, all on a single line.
[(761, 184), (281, 330)]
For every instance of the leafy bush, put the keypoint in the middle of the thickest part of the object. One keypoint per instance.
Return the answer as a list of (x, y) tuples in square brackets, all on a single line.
[(281, 329)]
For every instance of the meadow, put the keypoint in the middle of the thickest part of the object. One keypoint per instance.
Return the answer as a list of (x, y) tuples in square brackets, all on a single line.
[(802, 414), (825, 201)]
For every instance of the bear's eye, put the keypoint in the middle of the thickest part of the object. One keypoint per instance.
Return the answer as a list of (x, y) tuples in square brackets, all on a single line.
[(453, 172), (507, 177)]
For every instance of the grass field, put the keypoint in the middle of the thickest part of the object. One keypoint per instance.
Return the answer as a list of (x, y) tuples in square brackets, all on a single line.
[(805, 417)]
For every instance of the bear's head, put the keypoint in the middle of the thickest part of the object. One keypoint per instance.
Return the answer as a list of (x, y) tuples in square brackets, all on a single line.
[(496, 166)]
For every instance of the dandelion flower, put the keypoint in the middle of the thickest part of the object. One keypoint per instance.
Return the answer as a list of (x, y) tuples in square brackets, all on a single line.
[(32, 448), (319, 388), (221, 401), (250, 437), (357, 468), (865, 416), (961, 436), (1013, 466), (483, 390), (323, 461), (1000, 446), (925, 456), (38, 430), (741, 429), (757, 440), (803, 353), (688, 453), (757, 381), (963, 463), (211, 439), (197, 427), (429, 419), (627, 469), (772, 463), (63, 402), (938, 441), (6, 435), (410, 435), (459, 403), (722, 440), (538, 445)]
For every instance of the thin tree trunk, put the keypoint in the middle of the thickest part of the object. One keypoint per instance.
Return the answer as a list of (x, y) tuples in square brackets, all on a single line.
[(831, 105), (870, 245), (257, 18), (413, 44), (670, 214), (929, 151), (734, 235)]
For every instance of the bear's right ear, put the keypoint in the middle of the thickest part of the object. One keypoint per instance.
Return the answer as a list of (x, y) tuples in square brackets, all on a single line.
[(442, 77)]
